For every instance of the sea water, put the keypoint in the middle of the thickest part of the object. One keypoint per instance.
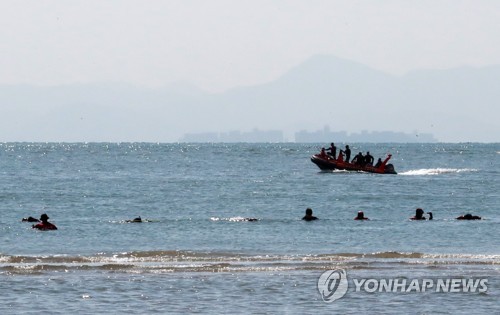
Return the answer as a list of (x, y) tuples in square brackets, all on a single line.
[(197, 252)]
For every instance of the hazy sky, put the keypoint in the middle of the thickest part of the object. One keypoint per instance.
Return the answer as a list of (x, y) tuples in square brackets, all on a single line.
[(219, 44)]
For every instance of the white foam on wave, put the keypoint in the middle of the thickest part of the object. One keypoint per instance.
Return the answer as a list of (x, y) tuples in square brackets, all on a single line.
[(437, 171)]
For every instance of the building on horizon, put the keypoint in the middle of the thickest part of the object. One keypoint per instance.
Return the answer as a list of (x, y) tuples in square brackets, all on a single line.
[(325, 135)]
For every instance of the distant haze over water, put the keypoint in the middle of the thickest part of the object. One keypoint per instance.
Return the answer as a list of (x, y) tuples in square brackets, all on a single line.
[(453, 105), (304, 136)]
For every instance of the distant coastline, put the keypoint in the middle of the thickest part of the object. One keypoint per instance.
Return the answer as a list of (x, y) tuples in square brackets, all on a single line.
[(305, 136), (324, 90)]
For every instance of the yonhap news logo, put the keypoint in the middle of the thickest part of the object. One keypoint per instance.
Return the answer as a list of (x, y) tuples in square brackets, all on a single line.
[(333, 285)]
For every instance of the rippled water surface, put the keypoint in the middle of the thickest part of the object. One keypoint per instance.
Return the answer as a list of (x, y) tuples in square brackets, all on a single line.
[(196, 250)]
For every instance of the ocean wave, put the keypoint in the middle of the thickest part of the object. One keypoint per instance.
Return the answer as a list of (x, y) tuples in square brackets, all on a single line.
[(187, 261), (437, 171)]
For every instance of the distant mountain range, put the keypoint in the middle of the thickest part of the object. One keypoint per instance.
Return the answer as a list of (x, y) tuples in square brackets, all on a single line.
[(454, 105)]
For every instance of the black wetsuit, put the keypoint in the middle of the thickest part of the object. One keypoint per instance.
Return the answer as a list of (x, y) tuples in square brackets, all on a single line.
[(368, 159), (347, 154), (359, 159)]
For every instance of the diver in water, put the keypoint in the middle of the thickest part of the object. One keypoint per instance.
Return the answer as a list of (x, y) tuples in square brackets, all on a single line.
[(45, 224), (309, 215), (419, 215), (251, 219), (30, 219), (361, 216), (469, 216), (136, 220)]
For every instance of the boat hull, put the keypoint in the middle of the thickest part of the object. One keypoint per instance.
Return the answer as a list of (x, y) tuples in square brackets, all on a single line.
[(328, 164)]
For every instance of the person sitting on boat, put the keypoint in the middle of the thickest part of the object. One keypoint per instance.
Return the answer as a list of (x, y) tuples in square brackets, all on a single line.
[(45, 224), (379, 162), (309, 215), (323, 154), (419, 215), (361, 216), (368, 159), (359, 159), (333, 150), (340, 157), (469, 216), (383, 164), (355, 159)]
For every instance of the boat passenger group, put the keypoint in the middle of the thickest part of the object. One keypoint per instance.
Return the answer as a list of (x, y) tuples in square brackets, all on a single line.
[(345, 156)]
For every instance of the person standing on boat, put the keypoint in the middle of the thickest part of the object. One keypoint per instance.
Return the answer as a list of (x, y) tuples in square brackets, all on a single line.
[(333, 150), (347, 153), (368, 159)]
